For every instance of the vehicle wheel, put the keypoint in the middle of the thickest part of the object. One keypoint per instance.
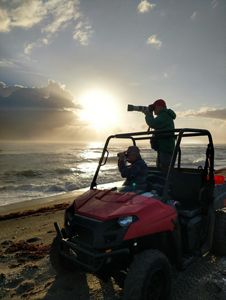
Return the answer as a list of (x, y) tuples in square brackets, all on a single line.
[(219, 238), (60, 263), (119, 278), (148, 277)]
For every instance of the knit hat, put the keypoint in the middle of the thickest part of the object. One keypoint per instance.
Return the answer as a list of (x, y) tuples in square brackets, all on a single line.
[(159, 102)]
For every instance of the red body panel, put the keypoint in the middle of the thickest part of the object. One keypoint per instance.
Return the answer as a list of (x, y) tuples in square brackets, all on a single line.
[(153, 215)]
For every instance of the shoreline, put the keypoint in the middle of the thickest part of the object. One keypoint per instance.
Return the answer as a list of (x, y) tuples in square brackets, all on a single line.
[(40, 205), (29, 207), (55, 202)]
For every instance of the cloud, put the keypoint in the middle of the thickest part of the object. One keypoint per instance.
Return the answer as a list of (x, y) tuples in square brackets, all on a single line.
[(83, 32), (29, 47), (152, 40), (212, 119), (54, 96), (6, 63), (39, 43), (25, 14), (6, 91), (51, 16), (178, 104), (47, 112), (194, 15), (214, 3), (145, 6), (206, 112), (61, 14), (213, 113), (4, 20)]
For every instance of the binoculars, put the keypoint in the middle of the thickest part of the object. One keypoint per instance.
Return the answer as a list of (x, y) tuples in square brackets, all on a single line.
[(122, 154)]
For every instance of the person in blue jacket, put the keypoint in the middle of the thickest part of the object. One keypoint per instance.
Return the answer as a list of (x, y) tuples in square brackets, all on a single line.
[(135, 172)]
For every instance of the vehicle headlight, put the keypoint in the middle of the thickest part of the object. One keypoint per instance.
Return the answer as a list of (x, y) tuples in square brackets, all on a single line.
[(126, 221)]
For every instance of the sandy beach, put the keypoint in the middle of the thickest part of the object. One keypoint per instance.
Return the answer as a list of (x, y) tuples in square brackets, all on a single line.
[(25, 272)]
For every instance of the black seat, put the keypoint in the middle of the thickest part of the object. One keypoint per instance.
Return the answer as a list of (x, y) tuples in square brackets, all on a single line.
[(156, 181), (189, 213), (185, 188)]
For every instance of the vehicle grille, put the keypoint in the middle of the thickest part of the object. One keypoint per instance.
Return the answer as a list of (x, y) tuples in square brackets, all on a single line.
[(84, 235)]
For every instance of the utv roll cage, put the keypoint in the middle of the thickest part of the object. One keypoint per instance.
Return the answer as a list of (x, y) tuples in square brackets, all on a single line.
[(179, 134)]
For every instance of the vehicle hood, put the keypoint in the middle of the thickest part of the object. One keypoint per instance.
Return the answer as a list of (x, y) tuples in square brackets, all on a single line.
[(106, 205)]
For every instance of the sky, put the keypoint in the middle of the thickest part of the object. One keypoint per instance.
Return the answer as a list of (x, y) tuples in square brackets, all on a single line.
[(69, 68)]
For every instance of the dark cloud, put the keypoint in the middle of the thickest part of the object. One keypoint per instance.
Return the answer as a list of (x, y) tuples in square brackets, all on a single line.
[(213, 113), (53, 96), (38, 113), (6, 91)]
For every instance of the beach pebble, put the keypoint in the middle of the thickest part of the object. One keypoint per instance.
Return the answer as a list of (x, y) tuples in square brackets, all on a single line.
[(3, 294), (6, 243), (13, 266), (13, 282), (29, 270), (223, 266), (2, 279), (33, 240), (25, 287), (214, 286)]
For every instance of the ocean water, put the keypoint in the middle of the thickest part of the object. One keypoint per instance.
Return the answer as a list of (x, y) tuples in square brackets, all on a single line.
[(37, 170)]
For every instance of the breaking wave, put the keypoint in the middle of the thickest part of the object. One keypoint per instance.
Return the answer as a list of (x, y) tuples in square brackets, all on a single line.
[(33, 172)]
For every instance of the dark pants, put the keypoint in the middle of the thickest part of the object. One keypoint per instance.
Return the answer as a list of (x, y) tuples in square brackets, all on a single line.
[(163, 160)]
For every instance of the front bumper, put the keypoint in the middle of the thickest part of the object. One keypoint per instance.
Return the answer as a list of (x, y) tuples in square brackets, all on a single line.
[(90, 259)]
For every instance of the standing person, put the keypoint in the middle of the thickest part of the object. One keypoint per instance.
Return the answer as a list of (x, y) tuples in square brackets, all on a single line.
[(135, 172), (164, 120)]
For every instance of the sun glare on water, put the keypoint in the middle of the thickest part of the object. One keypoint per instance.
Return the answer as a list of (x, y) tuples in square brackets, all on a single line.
[(98, 109)]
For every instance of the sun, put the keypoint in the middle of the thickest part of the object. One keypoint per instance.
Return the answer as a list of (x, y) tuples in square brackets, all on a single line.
[(99, 109)]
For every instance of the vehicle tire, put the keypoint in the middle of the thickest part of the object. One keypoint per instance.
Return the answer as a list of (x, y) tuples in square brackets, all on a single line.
[(219, 238), (148, 277), (60, 263), (119, 278)]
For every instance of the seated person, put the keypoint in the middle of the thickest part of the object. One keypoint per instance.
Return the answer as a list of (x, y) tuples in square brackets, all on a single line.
[(135, 172)]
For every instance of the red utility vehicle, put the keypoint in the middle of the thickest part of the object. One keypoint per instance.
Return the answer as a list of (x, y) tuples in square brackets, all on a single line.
[(135, 237)]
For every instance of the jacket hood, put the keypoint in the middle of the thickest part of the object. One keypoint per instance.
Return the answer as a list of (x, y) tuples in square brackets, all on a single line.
[(171, 113)]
